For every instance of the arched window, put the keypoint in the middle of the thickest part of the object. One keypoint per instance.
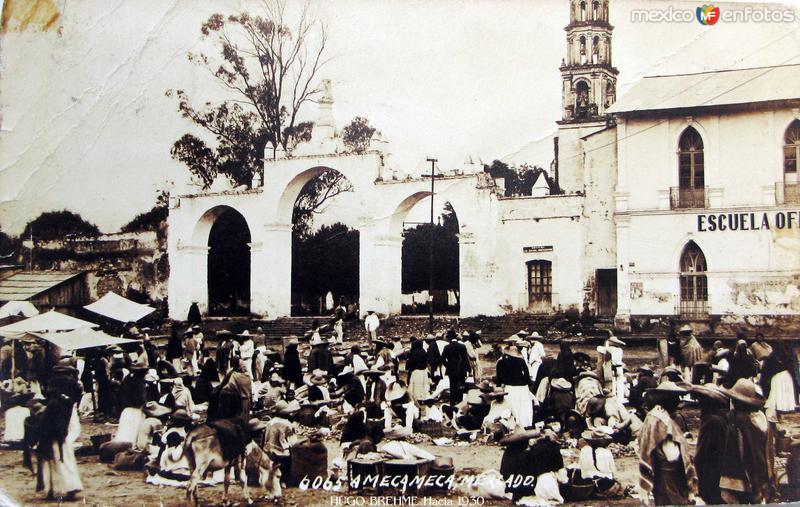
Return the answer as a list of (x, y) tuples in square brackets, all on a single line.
[(582, 99), (540, 284), (595, 10), (596, 49), (694, 284), (582, 42), (583, 11), (791, 149), (611, 93), (791, 159), (691, 174)]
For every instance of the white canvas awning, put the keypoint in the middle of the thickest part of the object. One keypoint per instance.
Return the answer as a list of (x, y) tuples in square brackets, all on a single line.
[(116, 307), (51, 321), (81, 338), (14, 308)]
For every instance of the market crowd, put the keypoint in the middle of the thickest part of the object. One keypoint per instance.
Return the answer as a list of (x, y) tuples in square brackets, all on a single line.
[(376, 393)]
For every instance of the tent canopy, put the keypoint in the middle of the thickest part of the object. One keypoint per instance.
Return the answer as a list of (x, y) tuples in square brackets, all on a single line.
[(118, 308), (81, 338), (51, 321), (13, 308)]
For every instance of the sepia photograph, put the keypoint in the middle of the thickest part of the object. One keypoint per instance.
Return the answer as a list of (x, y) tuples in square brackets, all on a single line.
[(399, 252)]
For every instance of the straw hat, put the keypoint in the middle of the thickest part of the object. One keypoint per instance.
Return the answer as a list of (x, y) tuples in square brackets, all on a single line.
[(429, 336), (293, 341), (513, 351), (244, 333), (155, 409), (616, 341), (711, 392), (284, 409), (519, 435), (747, 392), (316, 340), (561, 384), (596, 437), (686, 328), (582, 375), (667, 387), (395, 391), (496, 393), (276, 378), (535, 334), (646, 369), (256, 424), (180, 415), (485, 386), (318, 378), (522, 333)]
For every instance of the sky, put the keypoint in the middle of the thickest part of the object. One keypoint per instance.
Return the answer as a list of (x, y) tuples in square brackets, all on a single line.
[(86, 126)]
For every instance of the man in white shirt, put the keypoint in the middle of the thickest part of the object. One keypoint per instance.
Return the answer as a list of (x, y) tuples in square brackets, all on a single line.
[(246, 351), (371, 324)]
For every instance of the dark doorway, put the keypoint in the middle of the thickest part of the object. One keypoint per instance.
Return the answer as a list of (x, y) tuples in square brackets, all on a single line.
[(325, 270), (606, 292), (229, 266), (415, 261)]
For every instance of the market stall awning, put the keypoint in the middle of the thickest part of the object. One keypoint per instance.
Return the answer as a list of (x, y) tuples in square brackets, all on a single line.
[(118, 308), (43, 323), (81, 338), (13, 308)]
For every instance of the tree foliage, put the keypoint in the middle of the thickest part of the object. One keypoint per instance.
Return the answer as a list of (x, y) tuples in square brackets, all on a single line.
[(59, 225), (520, 181), (357, 134), (416, 252), (326, 260), (269, 66), (309, 202), (150, 220)]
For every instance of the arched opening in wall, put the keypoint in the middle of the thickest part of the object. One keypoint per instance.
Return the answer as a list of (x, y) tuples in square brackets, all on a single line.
[(325, 250), (691, 171), (694, 283), (416, 260), (229, 265), (581, 99), (791, 155)]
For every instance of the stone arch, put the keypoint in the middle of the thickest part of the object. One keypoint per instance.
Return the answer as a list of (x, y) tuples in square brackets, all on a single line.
[(226, 234), (401, 212), (293, 188)]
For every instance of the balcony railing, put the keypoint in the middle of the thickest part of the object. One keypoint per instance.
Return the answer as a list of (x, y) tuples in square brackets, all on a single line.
[(688, 309), (787, 193), (682, 198)]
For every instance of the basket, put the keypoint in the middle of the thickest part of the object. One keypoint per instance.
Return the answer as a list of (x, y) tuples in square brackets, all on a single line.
[(434, 429), (579, 492)]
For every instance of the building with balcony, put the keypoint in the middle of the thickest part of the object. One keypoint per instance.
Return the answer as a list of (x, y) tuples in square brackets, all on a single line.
[(707, 223)]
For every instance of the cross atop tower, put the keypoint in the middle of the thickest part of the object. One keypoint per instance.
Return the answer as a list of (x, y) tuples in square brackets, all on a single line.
[(589, 81)]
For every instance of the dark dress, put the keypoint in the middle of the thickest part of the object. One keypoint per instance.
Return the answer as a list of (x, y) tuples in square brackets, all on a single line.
[(708, 458), (292, 371)]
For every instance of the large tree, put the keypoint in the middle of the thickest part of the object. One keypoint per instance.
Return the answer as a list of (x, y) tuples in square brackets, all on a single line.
[(270, 65), (59, 225)]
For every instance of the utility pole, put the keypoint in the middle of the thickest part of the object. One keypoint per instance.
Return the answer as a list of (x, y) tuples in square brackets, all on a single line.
[(430, 258)]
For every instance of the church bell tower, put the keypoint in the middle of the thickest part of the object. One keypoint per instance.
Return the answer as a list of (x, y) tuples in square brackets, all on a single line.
[(589, 81)]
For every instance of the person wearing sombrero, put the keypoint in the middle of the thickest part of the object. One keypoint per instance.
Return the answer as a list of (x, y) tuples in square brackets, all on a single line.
[(513, 375), (516, 445), (666, 469), (472, 344), (645, 379), (247, 349), (154, 416), (691, 350), (596, 464), (320, 357), (611, 366), (500, 419), (606, 411), (559, 400), (714, 405), (748, 463), (587, 387), (400, 405), (457, 366)]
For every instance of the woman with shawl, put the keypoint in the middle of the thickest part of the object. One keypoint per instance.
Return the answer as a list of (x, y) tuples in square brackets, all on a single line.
[(292, 370), (748, 462), (777, 383), (742, 365), (665, 463), (711, 440)]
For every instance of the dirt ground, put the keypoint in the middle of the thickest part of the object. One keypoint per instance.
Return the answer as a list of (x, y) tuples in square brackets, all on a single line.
[(105, 487)]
